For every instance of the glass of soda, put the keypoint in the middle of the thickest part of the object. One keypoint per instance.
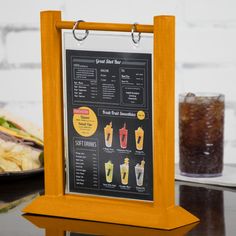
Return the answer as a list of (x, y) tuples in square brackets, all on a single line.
[(201, 134)]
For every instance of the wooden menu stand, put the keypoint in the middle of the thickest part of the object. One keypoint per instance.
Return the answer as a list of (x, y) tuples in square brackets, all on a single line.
[(162, 213)]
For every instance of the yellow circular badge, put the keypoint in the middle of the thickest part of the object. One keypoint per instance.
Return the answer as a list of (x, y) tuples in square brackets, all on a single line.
[(141, 115), (85, 121)]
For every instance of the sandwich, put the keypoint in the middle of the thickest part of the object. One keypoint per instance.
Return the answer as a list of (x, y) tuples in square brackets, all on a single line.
[(20, 149)]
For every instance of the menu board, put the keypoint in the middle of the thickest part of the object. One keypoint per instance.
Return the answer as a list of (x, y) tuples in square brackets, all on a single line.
[(109, 124)]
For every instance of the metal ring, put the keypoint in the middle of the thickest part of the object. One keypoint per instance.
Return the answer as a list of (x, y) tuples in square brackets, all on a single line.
[(74, 28), (132, 34)]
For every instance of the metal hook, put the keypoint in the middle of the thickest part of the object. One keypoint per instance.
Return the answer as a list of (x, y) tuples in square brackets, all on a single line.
[(74, 28), (136, 41)]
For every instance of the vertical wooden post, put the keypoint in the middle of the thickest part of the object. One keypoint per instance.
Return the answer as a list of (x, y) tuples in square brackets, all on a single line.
[(52, 102), (164, 109)]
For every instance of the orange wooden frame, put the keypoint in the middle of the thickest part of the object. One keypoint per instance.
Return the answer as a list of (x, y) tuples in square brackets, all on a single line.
[(162, 212)]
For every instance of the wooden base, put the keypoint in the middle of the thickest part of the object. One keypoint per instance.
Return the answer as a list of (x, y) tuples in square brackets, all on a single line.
[(69, 206)]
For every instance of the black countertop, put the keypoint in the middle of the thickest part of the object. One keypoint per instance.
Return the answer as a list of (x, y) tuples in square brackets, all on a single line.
[(215, 206)]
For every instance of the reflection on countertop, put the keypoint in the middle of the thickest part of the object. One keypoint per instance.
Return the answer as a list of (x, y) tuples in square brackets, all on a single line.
[(58, 226), (208, 205), (215, 206), (15, 191)]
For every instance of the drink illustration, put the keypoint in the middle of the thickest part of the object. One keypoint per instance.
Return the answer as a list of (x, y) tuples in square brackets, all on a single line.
[(123, 133), (124, 171), (139, 137), (139, 173), (108, 135), (109, 171)]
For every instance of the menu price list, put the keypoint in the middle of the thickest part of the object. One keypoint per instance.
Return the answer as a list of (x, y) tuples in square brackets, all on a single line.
[(97, 80), (86, 164), (109, 113)]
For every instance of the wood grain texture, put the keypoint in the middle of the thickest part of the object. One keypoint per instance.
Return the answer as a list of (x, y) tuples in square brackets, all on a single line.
[(164, 109), (111, 211), (52, 103), (104, 26), (54, 232)]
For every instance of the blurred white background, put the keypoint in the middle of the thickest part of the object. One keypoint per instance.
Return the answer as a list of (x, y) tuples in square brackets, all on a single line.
[(205, 48)]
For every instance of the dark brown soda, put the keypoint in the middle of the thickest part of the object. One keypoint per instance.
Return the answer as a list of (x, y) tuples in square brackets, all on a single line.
[(201, 135)]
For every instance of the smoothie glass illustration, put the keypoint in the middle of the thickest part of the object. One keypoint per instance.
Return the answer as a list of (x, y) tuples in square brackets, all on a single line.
[(139, 173), (123, 133), (108, 135), (124, 172), (109, 171), (139, 137)]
